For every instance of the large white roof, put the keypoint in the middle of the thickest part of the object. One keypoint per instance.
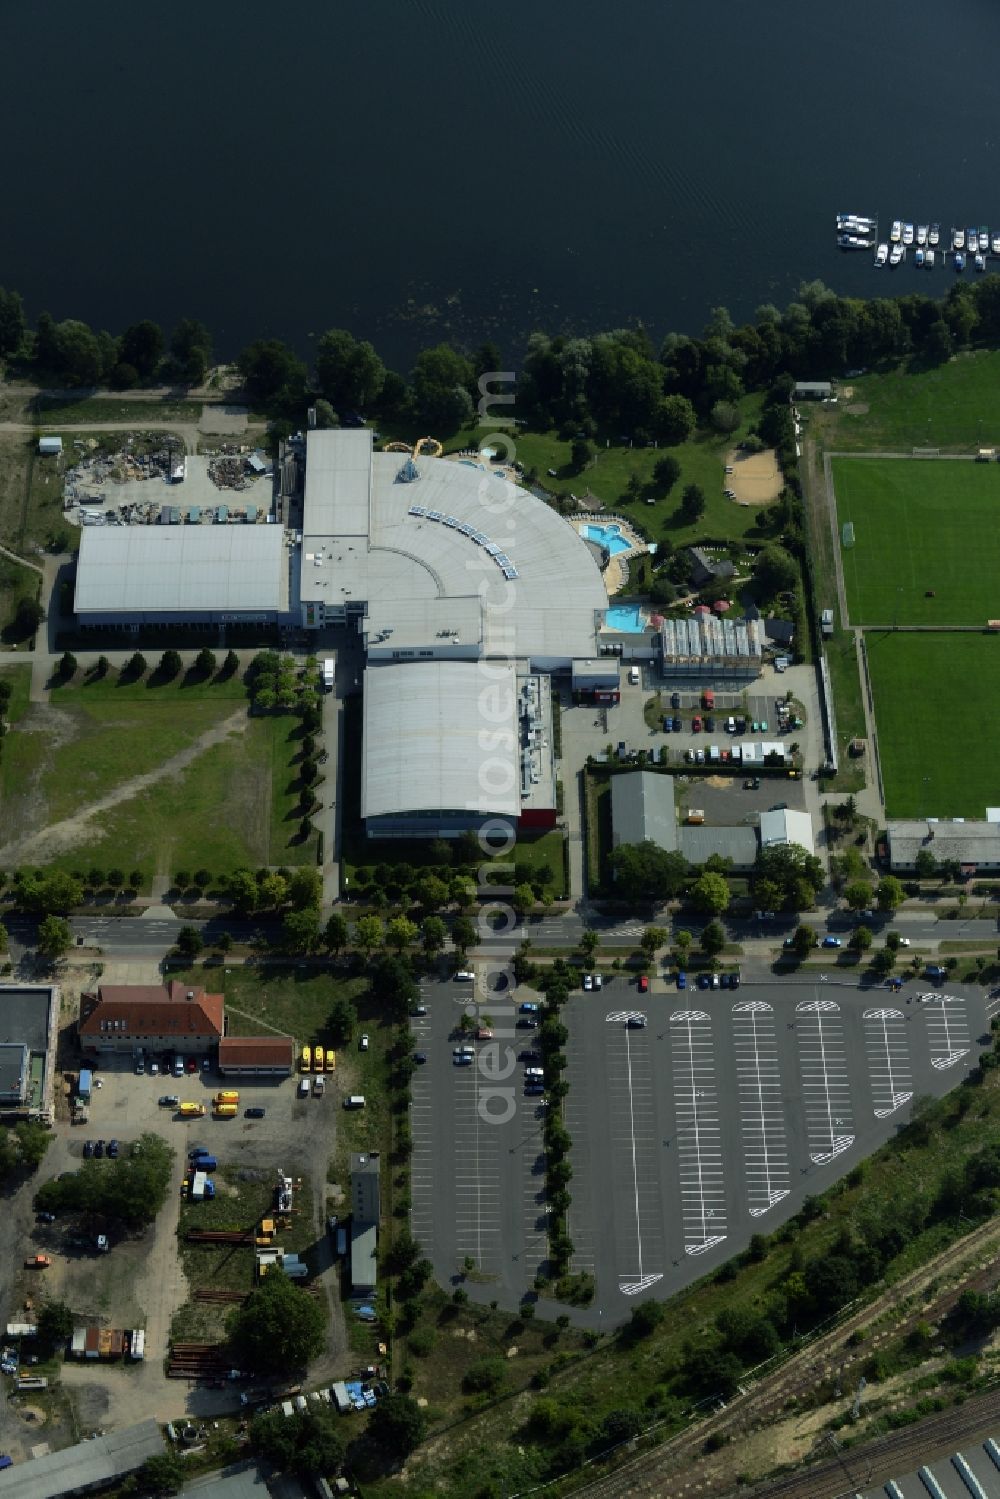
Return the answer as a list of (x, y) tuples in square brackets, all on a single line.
[(455, 532), (181, 569), (787, 826), (440, 735)]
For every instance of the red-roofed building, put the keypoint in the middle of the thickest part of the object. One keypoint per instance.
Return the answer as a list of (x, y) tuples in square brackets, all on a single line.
[(125, 1017), (256, 1056)]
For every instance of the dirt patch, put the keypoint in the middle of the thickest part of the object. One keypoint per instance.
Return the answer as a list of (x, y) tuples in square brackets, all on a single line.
[(61, 837), (54, 728), (756, 478), (857, 408)]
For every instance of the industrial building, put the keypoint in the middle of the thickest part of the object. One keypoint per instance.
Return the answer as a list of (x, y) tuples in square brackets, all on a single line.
[(256, 1056), (29, 1016), (783, 826), (131, 1017), (643, 810), (448, 745), (98, 1463), (974, 845), (707, 647), (196, 576), (365, 1214)]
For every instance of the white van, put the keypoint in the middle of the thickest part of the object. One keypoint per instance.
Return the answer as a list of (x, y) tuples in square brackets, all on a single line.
[(303, 1087), (465, 977), (730, 726), (354, 1101), (633, 675), (533, 1072)]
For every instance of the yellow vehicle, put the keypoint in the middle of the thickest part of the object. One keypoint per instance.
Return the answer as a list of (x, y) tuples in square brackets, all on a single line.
[(318, 1059), (331, 1060), (306, 1058), (225, 1111), (227, 1095), (191, 1110)]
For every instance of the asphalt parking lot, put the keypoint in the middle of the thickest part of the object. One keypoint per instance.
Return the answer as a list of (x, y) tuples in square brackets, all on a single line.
[(477, 1172), (714, 1120)]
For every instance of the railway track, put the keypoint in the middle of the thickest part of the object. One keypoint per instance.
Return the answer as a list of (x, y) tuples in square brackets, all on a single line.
[(764, 1399)]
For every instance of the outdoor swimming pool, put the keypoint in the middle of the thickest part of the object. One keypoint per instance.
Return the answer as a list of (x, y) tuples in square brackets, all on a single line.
[(627, 619), (609, 536)]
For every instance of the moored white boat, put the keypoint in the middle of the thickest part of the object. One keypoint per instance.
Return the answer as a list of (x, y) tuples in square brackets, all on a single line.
[(882, 254), (897, 255), (922, 234), (934, 234), (929, 260), (907, 234), (896, 232)]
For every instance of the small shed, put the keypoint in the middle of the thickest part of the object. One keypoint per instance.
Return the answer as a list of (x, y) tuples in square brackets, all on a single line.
[(50, 447), (812, 390)]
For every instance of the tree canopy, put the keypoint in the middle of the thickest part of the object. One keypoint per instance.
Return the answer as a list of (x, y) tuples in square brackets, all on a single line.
[(128, 1192), (644, 871), (277, 1330)]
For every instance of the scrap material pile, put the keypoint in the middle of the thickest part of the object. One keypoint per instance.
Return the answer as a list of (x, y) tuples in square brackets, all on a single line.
[(235, 468), (93, 469)]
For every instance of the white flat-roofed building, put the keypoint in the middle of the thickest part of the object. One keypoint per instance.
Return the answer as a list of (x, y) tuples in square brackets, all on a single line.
[(397, 541), (786, 826), (135, 575), (441, 751)]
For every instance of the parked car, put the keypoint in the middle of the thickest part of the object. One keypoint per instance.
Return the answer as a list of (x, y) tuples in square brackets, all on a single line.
[(675, 700), (528, 1007), (704, 982), (636, 1022), (191, 1064), (418, 1009), (588, 982), (696, 725), (45, 1217), (682, 981), (644, 983), (734, 980), (113, 1149), (530, 1055), (37, 1262), (723, 980), (709, 725), (527, 1023), (254, 1113), (751, 785), (462, 1060), (904, 941), (677, 725), (829, 941), (169, 1100), (363, 1043), (99, 1149), (420, 1056), (88, 1149), (598, 981)]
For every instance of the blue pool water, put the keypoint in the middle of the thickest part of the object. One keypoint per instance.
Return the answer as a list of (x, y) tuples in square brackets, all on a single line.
[(626, 619), (468, 463), (608, 536)]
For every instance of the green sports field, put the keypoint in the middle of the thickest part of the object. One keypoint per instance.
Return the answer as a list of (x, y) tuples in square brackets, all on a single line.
[(937, 710), (920, 525)]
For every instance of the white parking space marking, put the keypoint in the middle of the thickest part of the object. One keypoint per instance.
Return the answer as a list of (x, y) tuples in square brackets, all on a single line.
[(699, 1146), (947, 1029), (762, 1115), (992, 1004), (477, 1177), (888, 1060), (826, 1086), (636, 1185)]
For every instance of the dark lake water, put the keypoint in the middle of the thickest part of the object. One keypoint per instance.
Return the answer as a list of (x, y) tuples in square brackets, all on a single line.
[(418, 169)]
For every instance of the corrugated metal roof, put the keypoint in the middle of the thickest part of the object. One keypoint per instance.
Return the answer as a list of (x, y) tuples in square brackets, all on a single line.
[(642, 809), (440, 735), (786, 827), (699, 843), (181, 569), (94, 1464)]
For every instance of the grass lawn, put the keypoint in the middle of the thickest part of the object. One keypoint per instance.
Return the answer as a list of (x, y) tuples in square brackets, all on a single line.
[(16, 583), (953, 406), (293, 1001), (19, 678), (937, 708), (50, 412), (848, 707), (233, 805), (16, 462), (920, 525)]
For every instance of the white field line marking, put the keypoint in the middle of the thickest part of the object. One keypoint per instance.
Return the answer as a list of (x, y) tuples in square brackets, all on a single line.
[(838, 1143), (896, 1100), (938, 1005), (773, 1194), (687, 1017)]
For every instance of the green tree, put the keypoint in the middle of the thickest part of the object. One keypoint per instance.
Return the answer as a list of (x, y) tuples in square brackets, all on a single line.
[(244, 892), (398, 1424), (803, 941), (861, 938), (485, 1376), (162, 1474), (142, 346), (675, 420), (433, 933), (713, 939), (170, 666), (369, 934), (67, 666), (350, 374), (27, 617), (884, 961), (205, 663), (645, 1319), (13, 325), (890, 893), (710, 894), (54, 936), (135, 667), (189, 942), (775, 571), (33, 1140), (335, 933), (305, 889), (859, 895), (432, 893), (277, 1329), (646, 871), (580, 454), (300, 930), (463, 933), (191, 347), (51, 894), (4, 939), (693, 503), (230, 665), (54, 1323), (307, 1443), (441, 381), (590, 941), (340, 1021), (925, 865), (653, 938), (522, 899), (666, 472), (401, 932), (724, 416), (272, 891), (273, 375), (128, 1192)]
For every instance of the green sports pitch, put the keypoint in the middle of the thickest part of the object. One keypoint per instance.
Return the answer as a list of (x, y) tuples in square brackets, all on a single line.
[(926, 540), (937, 711)]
